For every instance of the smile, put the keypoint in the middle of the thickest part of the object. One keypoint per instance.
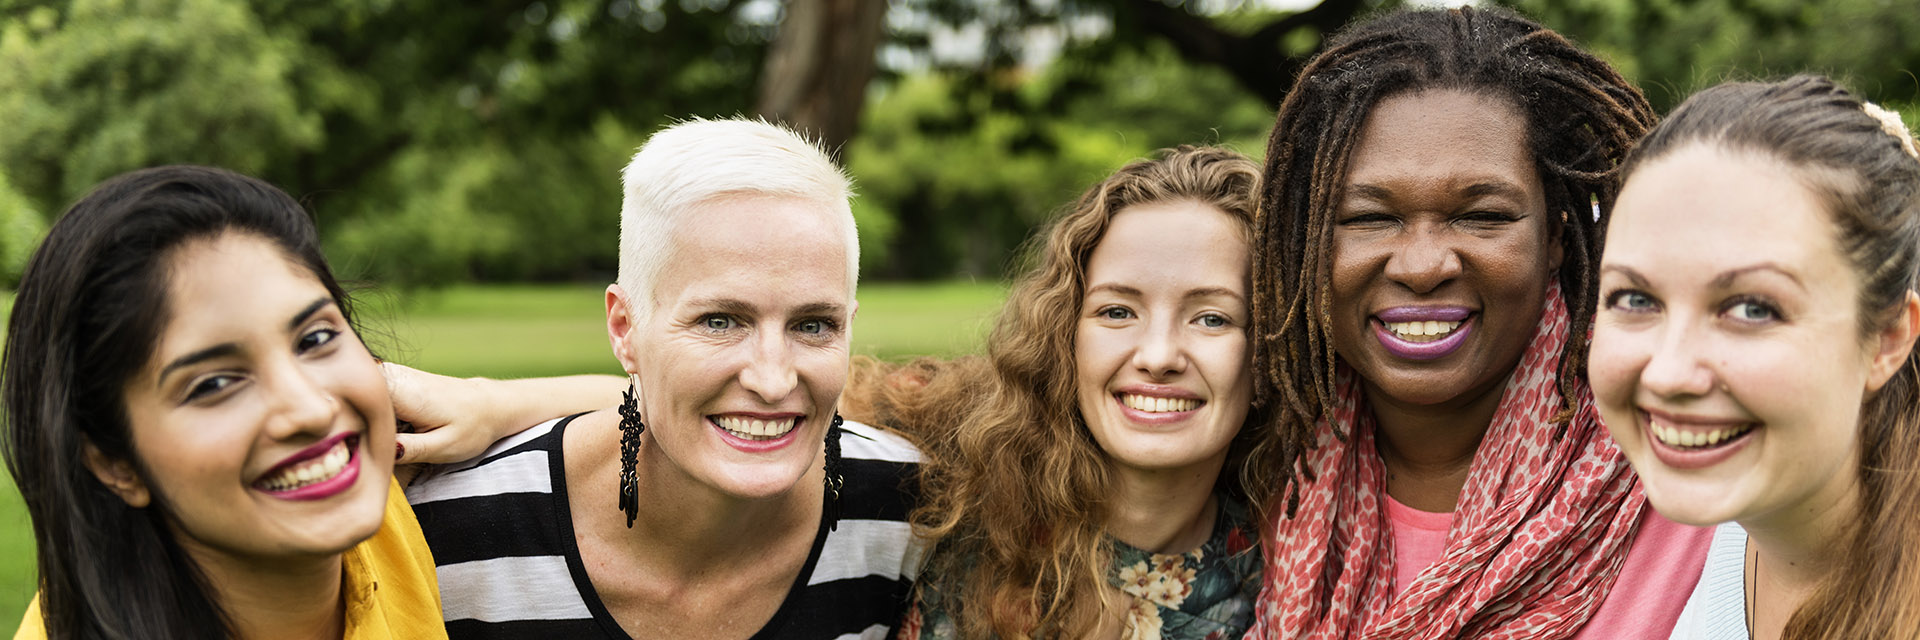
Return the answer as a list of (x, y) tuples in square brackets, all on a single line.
[(1427, 331), (1695, 439), (1684, 443), (1422, 333), (754, 429), (1153, 404), (318, 472)]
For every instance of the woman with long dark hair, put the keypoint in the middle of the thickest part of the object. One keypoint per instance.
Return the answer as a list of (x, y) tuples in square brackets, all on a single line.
[(203, 442)]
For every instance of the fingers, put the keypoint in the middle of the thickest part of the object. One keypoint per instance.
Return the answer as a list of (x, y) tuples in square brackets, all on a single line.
[(438, 446)]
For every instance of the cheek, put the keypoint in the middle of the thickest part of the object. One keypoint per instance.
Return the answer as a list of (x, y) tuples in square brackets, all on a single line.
[(184, 454), (825, 373)]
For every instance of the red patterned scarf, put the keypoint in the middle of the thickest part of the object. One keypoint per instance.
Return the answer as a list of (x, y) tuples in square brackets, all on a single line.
[(1541, 531)]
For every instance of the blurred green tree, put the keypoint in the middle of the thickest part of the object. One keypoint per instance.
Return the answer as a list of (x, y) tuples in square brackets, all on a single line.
[(441, 140)]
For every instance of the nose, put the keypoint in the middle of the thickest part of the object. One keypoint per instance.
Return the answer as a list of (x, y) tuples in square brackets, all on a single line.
[(1161, 352), (301, 403), (1425, 260), (769, 372), (1676, 368)]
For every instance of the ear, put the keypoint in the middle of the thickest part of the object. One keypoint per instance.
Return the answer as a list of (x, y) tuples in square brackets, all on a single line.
[(119, 476), (1895, 343), (620, 327)]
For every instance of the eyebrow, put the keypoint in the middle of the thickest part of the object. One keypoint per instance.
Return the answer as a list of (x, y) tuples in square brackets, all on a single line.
[(1475, 190), (1631, 275), (1726, 278), (1208, 292), (229, 348), (741, 307), (1201, 292), (1120, 289), (1722, 281)]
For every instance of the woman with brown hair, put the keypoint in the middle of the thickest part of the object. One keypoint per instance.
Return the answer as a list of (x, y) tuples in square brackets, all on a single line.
[(1754, 355), (1086, 476), (1434, 190)]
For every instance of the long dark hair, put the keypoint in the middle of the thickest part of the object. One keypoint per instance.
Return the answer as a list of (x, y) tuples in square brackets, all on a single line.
[(1870, 182), (87, 318), (1582, 117)]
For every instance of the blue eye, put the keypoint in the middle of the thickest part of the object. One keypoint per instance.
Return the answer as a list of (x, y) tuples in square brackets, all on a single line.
[(717, 323), (1631, 301), (1214, 321), (1753, 311), (814, 327)]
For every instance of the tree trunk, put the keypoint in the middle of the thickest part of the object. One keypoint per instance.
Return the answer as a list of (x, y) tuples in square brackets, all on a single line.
[(817, 70)]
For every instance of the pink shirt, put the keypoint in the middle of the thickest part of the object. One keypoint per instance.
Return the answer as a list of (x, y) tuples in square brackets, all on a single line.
[(1646, 600)]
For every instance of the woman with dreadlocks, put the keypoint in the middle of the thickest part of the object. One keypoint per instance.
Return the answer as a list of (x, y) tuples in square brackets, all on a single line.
[(1435, 187)]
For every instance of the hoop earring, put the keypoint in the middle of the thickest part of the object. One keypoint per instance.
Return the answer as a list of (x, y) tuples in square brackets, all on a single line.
[(630, 429), (835, 480)]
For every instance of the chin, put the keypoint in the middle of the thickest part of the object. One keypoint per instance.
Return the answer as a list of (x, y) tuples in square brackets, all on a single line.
[(1692, 503)]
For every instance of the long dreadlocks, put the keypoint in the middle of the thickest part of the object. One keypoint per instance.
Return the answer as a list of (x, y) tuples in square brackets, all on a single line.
[(1582, 118)]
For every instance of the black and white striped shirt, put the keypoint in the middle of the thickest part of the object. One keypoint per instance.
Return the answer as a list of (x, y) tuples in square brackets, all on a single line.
[(509, 567)]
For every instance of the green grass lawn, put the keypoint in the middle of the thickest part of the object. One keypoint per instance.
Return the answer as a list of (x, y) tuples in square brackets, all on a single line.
[(526, 331)]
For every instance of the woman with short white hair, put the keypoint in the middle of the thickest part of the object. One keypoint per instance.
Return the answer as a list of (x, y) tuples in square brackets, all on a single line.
[(731, 318)]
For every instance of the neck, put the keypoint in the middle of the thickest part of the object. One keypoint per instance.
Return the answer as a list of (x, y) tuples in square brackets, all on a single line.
[(1428, 449), (1165, 511), (1795, 549), (686, 529), (299, 598)]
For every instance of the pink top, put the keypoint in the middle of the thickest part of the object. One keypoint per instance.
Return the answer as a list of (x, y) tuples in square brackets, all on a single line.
[(1646, 600)]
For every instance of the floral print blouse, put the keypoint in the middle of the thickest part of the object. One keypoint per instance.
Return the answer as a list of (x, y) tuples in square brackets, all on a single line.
[(1206, 593)]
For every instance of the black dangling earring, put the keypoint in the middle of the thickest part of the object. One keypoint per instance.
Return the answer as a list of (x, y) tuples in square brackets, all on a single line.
[(630, 430), (835, 480)]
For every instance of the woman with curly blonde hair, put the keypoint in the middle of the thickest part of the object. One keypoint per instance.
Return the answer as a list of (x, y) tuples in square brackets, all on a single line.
[(1085, 476)]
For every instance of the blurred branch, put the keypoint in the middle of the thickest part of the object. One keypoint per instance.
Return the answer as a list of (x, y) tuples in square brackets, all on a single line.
[(1256, 60)]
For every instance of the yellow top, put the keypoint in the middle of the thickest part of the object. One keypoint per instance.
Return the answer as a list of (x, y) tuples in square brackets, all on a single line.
[(390, 587)]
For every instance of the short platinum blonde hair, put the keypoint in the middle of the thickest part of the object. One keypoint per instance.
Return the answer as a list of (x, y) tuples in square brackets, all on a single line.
[(697, 161)]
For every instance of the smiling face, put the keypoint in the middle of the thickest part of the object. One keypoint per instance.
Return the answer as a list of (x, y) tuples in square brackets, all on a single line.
[(1727, 357), (1442, 249), (745, 351), (1161, 344), (261, 422)]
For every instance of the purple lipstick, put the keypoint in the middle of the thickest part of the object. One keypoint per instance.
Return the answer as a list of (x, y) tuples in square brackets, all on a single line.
[(1422, 333)]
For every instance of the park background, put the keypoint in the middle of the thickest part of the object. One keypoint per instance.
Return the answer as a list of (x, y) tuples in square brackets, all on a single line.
[(462, 156)]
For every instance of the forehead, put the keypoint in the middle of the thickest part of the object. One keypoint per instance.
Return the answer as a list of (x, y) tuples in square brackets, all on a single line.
[(1443, 135), (758, 246), (1702, 208), (1180, 243), (224, 288)]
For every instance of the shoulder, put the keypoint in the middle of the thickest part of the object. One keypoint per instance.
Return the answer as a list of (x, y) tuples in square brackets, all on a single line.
[(391, 588), (519, 463), (874, 443), (507, 502), (1717, 609)]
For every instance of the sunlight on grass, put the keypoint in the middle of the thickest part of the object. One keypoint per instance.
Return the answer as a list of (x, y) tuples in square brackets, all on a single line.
[(523, 331)]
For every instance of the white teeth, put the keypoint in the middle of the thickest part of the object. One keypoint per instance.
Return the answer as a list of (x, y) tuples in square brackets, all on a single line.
[(755, 429), (311, 471), (1155, 404), (1684, 438), (1422, 331)]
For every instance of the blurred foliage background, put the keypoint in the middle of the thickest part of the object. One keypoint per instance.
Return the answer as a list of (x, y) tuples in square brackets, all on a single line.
[(464, 154), (448, 141)]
